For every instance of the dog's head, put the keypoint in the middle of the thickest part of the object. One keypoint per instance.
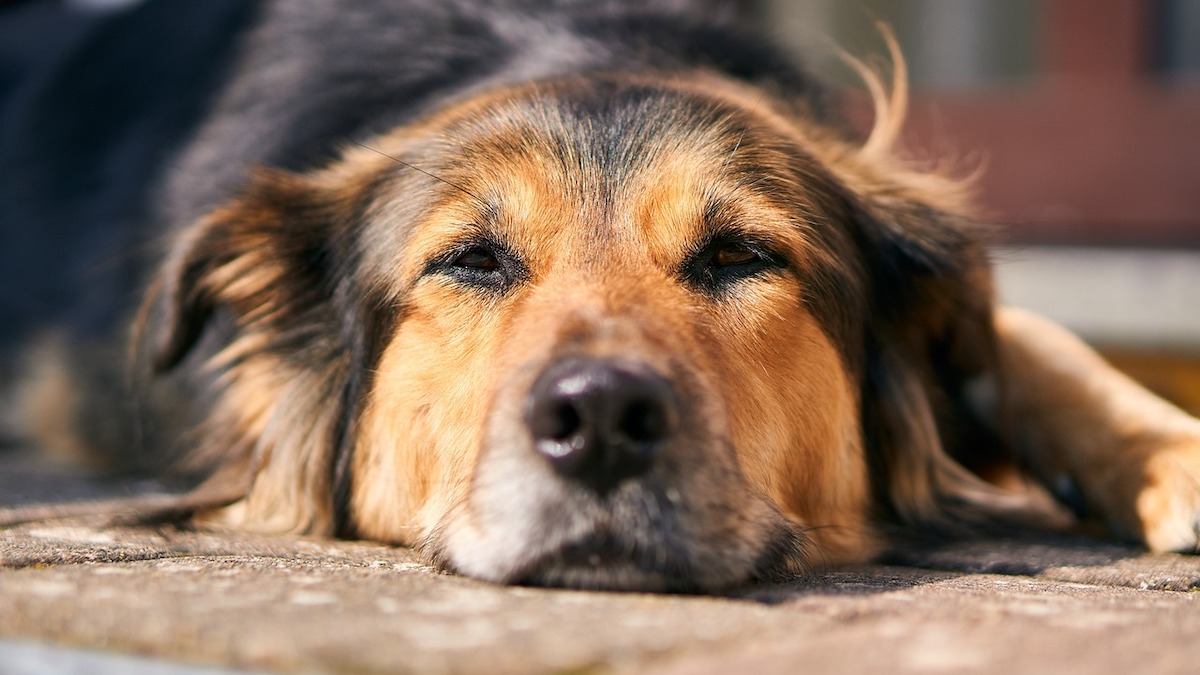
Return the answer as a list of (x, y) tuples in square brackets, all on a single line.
[(627, 332)]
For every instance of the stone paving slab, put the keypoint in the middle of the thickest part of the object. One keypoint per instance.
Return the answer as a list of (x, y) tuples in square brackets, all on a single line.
[(1038, 605), (295, 604)]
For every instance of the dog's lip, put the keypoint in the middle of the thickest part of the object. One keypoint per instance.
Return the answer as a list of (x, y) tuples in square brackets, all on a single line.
[(586, 565), (596, 553), (603, 560), (611, 563)]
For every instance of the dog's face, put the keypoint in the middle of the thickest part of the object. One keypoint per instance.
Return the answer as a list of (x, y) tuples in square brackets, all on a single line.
[(597, 333), (607, 370)]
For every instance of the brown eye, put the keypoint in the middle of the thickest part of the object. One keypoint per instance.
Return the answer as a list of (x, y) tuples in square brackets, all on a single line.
[(481, 265), (732, 255), (727, 260), (477, 259)]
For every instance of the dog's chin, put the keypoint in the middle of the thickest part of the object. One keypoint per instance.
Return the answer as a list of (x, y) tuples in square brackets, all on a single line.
[(615, 544), (602, 564)]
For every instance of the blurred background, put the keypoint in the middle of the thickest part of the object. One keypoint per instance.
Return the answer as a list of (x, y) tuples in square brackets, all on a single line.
[(1082, 118)]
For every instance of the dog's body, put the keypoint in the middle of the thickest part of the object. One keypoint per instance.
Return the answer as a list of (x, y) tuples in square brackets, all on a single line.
[(596, 294)]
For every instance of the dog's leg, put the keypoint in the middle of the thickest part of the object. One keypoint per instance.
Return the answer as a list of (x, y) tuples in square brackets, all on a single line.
[(1087, 429)]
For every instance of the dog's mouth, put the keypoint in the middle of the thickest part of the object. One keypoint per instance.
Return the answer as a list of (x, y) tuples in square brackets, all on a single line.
[(605, 561), (619, 544), (604, 479)]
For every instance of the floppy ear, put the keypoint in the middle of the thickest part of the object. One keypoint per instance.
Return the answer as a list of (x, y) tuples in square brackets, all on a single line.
[(928, 336), (929, 328), (264, 291), (266, 259)]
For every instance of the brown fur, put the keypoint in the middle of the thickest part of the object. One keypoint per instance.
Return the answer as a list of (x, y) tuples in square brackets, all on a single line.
[(1134, 458), (360, 388), (820, 398)]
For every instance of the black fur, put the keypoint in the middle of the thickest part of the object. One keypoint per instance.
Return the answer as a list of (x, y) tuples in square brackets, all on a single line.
[(84, 142), (142, 121), (164, 114)]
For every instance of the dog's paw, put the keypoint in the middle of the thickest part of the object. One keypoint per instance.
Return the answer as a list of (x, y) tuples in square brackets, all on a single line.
[(1168, 505)]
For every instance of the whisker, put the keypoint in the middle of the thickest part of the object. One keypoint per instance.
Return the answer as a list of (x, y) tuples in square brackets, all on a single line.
[(418, 169)]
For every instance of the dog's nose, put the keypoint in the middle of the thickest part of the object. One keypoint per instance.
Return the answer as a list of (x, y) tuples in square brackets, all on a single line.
[(598, 421)]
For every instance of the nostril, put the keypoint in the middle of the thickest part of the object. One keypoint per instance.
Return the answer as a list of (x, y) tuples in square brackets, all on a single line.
[(564, 422), (644, 421), (556, 419)]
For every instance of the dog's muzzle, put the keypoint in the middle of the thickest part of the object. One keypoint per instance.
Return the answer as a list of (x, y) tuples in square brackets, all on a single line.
[(607, 473)]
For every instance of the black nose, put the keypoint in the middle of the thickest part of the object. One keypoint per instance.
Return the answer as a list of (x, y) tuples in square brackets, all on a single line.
[(598, 421)]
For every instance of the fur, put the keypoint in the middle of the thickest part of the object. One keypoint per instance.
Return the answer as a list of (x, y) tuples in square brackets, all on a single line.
[(387, 222)]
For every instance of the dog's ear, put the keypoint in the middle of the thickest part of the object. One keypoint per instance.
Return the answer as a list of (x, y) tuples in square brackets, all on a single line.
[(264, 293), (929, 327), (266, 259), (930, 282), (929, 338)]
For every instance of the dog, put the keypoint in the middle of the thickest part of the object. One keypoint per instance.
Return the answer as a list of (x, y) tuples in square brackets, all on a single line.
[(587, 294)]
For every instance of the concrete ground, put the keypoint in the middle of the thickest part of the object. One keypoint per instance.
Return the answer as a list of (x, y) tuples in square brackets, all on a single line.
[(80, 597)]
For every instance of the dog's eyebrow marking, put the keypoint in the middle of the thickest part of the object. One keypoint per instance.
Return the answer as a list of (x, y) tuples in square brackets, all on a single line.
[(721, 218), (418, 169)]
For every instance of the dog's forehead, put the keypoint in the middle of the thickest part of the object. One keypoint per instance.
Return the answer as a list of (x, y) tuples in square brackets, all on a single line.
[(613, 167)]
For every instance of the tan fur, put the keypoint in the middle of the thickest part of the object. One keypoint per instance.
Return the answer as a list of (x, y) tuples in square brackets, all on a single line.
[(774, 439), (46, 402), (792, 422), (273, 419), (782, 338), (1135, 458)]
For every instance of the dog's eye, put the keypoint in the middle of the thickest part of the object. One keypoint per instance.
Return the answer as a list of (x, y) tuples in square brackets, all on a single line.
[(478, 258), (482, 265), (733, 255), (722, 263)]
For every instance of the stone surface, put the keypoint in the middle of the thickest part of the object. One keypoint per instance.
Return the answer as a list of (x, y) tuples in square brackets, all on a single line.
[(209, 600)]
